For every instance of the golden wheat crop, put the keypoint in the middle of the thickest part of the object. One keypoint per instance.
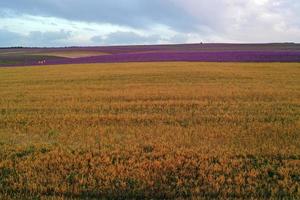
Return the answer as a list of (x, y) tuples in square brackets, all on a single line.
[(150, 130)]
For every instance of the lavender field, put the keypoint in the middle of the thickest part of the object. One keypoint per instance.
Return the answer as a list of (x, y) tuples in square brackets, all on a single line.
[(284, 52)]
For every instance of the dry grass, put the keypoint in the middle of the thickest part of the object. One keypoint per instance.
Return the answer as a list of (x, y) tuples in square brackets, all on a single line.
[(71, 54), (150, 130)]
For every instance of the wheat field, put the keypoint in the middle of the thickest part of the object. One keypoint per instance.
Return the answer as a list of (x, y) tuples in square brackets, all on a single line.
[(150, 130)]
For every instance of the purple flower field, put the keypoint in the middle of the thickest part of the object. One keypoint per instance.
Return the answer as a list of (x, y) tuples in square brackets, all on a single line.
[(156, 53), (187, 56)]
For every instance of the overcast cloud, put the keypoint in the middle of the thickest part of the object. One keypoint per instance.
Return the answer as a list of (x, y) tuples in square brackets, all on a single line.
[(111, 22)]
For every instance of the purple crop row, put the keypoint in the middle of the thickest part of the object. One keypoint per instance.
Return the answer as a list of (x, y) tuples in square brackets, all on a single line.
[(251, 56)]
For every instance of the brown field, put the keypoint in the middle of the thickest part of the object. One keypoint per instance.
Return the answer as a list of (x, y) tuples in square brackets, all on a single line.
[(150, 130), (70, 54)]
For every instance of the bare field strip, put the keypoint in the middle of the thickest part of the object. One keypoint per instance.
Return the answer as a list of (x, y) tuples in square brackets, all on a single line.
[(156, 130), (70, 54)]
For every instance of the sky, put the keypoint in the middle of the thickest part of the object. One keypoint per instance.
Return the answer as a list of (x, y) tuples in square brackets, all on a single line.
[(51, 23)]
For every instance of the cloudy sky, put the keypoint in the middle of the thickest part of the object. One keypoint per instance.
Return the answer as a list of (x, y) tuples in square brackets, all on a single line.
[(118, 22)]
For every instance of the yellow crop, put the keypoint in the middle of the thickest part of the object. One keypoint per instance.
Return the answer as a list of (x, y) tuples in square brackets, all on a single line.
[(150, 130)]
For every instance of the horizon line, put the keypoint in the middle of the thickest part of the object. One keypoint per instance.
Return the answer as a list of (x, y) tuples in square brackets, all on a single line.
[(137, 45)]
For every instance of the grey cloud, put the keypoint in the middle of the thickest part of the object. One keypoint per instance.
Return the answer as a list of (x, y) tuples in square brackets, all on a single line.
[(178, 39), (132, 13), (37, 38), (8, 38), (122, 37), (34, 39), (192, 20), (246, 20)]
